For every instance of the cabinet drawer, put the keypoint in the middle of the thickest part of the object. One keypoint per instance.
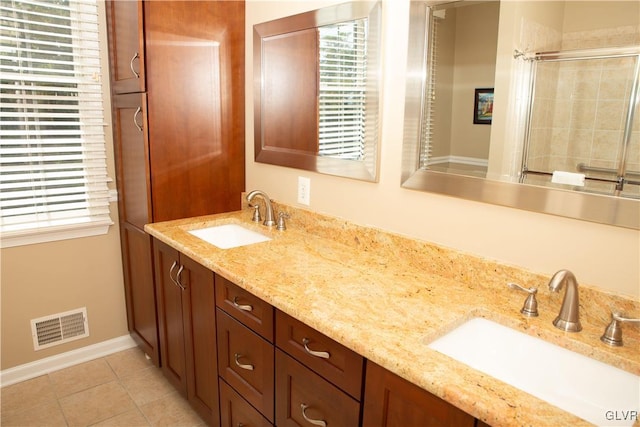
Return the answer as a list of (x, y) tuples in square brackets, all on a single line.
[(245, 361), (235, 411), (320, 353), (245, 307), (303, 393)]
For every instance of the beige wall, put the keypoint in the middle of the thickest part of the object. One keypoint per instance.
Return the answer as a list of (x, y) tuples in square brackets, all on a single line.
[(599, 255), (48, 278), (475, 59)]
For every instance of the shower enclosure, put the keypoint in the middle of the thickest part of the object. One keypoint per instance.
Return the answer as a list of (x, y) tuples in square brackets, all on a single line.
[(583, 127)]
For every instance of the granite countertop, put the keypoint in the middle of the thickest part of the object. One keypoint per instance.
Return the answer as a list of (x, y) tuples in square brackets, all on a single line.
[(386, 297)]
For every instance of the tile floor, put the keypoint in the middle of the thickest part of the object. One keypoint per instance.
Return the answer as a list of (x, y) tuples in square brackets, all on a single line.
[(122, 389)]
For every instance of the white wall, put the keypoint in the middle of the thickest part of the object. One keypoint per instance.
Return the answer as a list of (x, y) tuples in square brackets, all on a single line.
[(599, 255)]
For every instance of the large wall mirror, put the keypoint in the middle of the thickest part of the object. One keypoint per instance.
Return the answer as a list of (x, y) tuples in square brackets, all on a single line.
[(317, 89), (527, 104)]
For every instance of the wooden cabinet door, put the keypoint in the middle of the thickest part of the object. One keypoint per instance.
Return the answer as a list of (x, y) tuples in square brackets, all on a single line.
[(235, 411), (170, 314), (200, 339), (126, 45), (303, 397), (195, 85), (246, 308), (139, 289), (290, 72), (391, 401), (132, 158), (331, 360), (245, 361)]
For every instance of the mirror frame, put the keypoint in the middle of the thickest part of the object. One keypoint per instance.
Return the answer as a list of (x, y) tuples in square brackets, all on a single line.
[(604, 209), (366, 170)]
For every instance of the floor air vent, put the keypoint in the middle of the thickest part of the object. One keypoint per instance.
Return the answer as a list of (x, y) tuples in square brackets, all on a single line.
[(59, 328)]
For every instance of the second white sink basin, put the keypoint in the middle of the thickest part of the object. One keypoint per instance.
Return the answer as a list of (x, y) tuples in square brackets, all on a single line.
[(599, 393), (229, 236)]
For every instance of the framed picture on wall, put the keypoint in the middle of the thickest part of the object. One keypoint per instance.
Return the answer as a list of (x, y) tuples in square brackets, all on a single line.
[(483, 106)]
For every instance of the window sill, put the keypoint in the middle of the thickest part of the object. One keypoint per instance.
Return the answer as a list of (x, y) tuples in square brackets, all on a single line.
[(55, 233)]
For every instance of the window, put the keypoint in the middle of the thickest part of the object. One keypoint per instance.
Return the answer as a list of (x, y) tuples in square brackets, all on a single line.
[(53, 176), (342, 100)]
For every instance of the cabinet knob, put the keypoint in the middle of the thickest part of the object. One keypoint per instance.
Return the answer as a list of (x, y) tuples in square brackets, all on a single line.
[(311, 420)]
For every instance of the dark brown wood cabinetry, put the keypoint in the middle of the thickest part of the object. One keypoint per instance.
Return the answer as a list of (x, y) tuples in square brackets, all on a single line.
[(134, 208), (177, 74), (239, 361), (235, 411), (331, 360), (126, 45), (317, 379), (245, 362), (305, 398), (391, 401), (187, 326)]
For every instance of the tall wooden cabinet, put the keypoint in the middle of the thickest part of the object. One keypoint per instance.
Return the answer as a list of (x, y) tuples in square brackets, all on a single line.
[(177, 74)]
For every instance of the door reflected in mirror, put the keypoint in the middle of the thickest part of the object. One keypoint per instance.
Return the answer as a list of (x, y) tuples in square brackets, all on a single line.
[(461, 69)]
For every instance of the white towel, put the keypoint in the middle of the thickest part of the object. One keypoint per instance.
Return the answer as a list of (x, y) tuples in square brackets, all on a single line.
[(570, 178)]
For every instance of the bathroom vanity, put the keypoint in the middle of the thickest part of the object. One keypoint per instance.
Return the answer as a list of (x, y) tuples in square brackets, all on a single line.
[(370, 300)]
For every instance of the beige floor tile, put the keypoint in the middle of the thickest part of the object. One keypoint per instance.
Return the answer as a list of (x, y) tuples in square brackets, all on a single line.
[(81, 377), (133, 418), (128, 362), (46, 414), (147, 385), (171, 411), (96, 404), (27, 394)]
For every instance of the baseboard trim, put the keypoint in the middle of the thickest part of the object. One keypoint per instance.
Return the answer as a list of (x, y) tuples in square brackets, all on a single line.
[(64, 360)]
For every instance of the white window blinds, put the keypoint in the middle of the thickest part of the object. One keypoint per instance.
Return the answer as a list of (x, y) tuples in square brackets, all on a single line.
[(428, 112), (342, 94), (53, 173)]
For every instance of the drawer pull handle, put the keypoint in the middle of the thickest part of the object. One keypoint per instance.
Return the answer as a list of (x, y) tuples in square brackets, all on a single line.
[(135, 73), (173, 266), (135, 119), (243, 307), (311, 420), (242, 365), (321, 354), (178, 275)]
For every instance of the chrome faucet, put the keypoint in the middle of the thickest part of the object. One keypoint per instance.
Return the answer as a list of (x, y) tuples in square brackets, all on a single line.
[(269, 219), (569, 317)]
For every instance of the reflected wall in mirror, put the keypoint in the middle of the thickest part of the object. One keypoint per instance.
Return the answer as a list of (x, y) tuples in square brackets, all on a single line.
[(316, 90), (462, 60), (568, 133)]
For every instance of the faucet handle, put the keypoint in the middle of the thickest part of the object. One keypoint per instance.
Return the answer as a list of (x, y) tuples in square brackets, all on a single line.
[(530, 307), (281, 223), (613, 332), (256, 212)]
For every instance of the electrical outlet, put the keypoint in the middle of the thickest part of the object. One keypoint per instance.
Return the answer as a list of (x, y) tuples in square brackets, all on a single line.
[(304, 190)]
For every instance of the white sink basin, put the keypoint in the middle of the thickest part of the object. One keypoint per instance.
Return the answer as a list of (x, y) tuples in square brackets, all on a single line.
[(592, 390), (229, 236)]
